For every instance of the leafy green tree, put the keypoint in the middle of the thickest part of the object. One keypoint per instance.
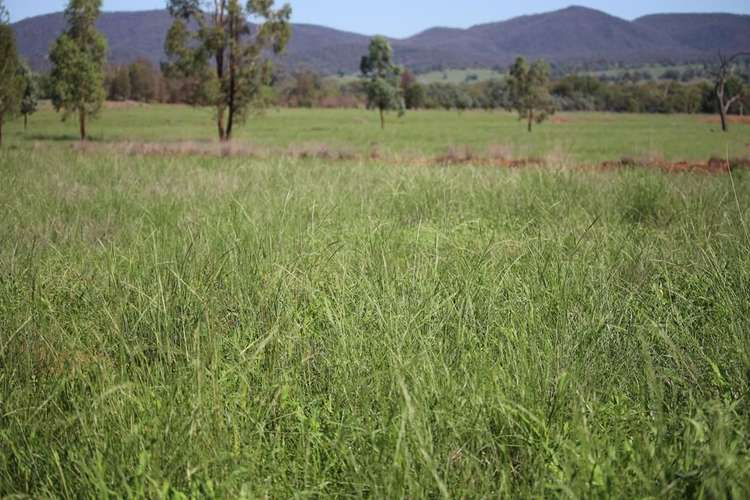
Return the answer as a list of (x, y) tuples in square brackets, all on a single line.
[(29, 94), (119, 86), (10, 81), (496, 92), (413, 91), (528, 91), (382, 79), (78, 58), (304, 89), (440, 95), (462, 100), (143, 81), (729, 87), (224, 59)]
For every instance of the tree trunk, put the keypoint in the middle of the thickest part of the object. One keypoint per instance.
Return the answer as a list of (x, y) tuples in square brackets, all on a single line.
[(230, 123), (220, 124), (220, 75), (531, 119), (82, 123), (1, 129), (382, 119), (234, 34), (723, 114), (722, 107), (25, 122)]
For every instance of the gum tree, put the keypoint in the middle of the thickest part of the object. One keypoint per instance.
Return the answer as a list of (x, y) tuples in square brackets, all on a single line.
[(729, 88), (382, 83), (223, 56), (528, 91), (29, 93), (78, 59), (10, 81)]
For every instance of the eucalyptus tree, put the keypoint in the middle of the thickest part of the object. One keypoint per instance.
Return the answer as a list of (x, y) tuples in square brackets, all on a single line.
[(225, 57), (10, 81), (78, 59), (29, 93), (729, 87), (382, 79), (528, 91)]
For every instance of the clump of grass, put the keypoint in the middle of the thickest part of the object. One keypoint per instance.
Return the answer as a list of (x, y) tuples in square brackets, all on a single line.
[(500, 152), (456, 155), (320, 151), (642, 197)]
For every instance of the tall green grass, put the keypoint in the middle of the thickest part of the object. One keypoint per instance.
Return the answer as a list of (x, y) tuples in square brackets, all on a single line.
[(232, 328)]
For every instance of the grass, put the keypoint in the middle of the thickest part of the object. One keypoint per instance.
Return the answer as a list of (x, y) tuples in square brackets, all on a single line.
[(575, 137), (230, 327), (460, 76)]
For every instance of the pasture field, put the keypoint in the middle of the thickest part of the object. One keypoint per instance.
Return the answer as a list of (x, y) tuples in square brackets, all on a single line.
[(567, 137), (274, 327)]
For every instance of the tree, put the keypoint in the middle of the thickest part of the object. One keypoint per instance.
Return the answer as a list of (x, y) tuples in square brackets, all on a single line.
[(234, 83), (143, 80), (462, 100), (78, 58), (729, 87), (413, 91), (304, 89), (119, 86), (528, 91), (10, 81), (29, 93), (382, 79)]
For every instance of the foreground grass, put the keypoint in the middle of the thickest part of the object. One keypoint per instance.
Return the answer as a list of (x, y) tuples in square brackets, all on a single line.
[(571, 137), (229, 328)]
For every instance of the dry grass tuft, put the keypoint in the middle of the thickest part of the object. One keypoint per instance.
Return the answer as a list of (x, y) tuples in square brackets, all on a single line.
[(319, 151), (501, 152), (456, 155)]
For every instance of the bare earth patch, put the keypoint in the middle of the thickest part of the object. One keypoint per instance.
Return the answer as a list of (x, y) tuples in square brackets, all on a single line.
[(493, 156)]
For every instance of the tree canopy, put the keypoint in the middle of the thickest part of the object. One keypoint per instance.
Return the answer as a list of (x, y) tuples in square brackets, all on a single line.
[(729, 87), (225, 59), (529, 92), (382, 76), (10, 80), (78, 60), (29, 93)]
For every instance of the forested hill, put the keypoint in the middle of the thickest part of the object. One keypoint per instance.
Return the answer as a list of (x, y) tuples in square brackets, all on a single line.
[(569, 36)]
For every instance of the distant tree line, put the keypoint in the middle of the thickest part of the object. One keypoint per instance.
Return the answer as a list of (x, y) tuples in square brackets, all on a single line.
[(143, 82), (568, 93)]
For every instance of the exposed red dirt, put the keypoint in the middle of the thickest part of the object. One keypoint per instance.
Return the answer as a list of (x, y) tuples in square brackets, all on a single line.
[(455, 156), (559, 120), (712, 166)]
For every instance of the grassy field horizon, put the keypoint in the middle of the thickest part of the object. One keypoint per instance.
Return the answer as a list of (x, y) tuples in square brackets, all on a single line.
[(195, 326)]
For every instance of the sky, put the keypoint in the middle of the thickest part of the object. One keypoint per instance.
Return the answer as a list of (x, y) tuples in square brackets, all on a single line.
[(402, 18)]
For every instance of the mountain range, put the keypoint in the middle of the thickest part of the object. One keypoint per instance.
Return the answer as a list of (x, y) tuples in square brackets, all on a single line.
[(575, 35)]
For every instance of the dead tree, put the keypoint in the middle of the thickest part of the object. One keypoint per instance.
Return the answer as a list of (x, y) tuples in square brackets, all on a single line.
[(722, 76)]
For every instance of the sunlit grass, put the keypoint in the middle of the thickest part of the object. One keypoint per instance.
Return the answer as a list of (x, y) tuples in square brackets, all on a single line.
[(231, 327), (580, 137)]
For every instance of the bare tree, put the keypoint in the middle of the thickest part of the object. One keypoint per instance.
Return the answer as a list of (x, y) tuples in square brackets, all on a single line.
[(728, 87)]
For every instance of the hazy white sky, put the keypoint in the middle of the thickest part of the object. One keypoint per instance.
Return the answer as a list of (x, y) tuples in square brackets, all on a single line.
[(406, 17)]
